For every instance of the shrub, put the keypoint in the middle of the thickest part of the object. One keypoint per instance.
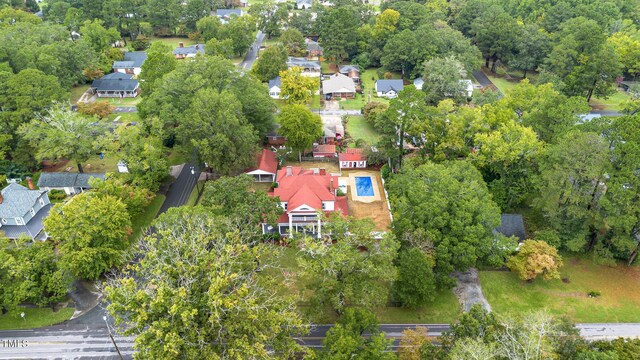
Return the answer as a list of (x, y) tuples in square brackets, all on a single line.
[(535, 258), (594, 294), (385, 172), (57, 194), (339, 192)]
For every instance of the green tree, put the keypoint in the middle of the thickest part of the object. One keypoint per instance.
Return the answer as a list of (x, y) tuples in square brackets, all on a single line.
[(442, 80), (219, 131), (145, 157), (208, 27), (293, 41), (297, 88), (510, 155), (495, 33), (571, 184), (536, 257), (416, 284), (136, 199), (345, 340), (270, 16), (338, 274), (65, 134), (272, 61), (242, 32), (198, 293), (300, 126), (235, 198), (93, 232), (97, 36), (159, 62), (447, 208), (337, 28), (531, 49), (223, 48)]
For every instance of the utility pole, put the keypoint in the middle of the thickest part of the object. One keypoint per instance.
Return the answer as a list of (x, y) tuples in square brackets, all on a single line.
[(111, 336)]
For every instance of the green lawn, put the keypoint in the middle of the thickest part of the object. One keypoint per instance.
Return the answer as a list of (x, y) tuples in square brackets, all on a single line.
[(368, 78), (177, 156), (359, 128), (502, 84), (125, 118), (96, 165), (123, 102), (34, 318), (357, 103), (315, 102), (443, 310), (612, 103), (173, 42), (326, 67), (77, 91), (619, 302), (144, 220)]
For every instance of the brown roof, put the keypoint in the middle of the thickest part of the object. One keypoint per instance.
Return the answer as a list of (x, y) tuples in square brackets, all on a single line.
[(324, 148)]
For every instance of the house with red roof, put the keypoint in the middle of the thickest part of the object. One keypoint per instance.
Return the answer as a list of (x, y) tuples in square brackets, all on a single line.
[(304, 193), (352, 159), (324, 150), (266, 167)]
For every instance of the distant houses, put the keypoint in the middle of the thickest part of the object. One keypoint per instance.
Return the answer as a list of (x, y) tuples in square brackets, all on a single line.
[(22, 211), (314, 50), (115, 85), (185, 52), (224, 15), (351, 71), (131, 63), (324, 151), (389, 88), (275, 87), (309, 68)]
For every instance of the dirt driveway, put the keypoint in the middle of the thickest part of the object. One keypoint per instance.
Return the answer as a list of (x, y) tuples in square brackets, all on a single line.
[(469, 291)]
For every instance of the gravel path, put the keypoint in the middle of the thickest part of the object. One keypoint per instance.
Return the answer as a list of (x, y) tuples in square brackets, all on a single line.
[(469, 291)]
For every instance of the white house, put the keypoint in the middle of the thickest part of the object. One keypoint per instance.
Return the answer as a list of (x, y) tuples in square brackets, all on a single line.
[(309, 68), (468, 87), (275, 85), (352, 158), (418, 82), (389, 88), (131, 63)]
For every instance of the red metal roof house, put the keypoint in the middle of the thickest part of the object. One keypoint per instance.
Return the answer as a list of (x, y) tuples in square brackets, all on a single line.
[(303, 194), (352, 159), (266, 167)]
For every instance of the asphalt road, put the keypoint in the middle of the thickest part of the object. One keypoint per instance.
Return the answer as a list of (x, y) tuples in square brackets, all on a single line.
[(181, 189), (252, 54)]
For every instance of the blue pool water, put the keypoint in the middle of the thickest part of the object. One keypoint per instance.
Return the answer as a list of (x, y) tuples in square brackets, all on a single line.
[(364, 186)]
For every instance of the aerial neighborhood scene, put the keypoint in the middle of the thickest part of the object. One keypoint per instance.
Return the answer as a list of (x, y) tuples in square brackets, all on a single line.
[(308, 179)]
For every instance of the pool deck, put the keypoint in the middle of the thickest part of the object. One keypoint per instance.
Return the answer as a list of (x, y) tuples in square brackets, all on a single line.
[(354, 193)]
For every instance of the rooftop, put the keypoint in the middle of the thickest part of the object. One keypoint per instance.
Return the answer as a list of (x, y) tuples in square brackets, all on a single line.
[(276, 81), (303, 63), (512, 225), (132, 59), (266, 161), (351, 154), (17, 200), (338, 83), (189, 50), (57, 180), (385, 85), (117, 84)]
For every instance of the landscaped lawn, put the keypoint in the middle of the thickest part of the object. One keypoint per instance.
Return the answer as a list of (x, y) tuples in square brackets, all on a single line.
[(315, 102), (177, 156), (357, 103), (173, 42), (444, 309), (34, 318), (368, 79), (123, 101), (144, 220), (359, 128), (77, 91), (619, 300), (96, 165), (502, 84), (612, 103)]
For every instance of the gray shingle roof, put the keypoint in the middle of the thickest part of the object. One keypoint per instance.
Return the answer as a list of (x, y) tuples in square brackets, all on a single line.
[(17, 200), (188, 50), (512, 225), (116, 76), (228, 12), (304, 2), (346, 68), (114, 84), (58, 180), (132, 59), (338, 83), (32, 229), (390, 84), (313, 45), (276, 81), (303, 63)]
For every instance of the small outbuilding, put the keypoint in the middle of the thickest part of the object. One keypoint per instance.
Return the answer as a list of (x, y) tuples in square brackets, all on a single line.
[(512, 225), (71, 183), (266, 167)]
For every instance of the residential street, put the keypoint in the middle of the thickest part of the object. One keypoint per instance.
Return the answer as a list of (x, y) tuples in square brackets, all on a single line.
[(252, 54)]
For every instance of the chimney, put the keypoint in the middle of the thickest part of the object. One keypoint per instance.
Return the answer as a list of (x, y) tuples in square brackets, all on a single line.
[(289, 171), (30, 183), (181, 44), (323, 171), (331, 185), (316, 171)]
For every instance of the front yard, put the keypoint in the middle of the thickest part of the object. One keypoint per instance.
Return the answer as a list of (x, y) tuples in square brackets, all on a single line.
[(34, 318), (359, 128), (619, 300)]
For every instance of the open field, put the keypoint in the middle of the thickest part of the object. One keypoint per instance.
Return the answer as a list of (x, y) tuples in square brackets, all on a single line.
[(34, 318), (619, 300), (359, 128), (444, 309)]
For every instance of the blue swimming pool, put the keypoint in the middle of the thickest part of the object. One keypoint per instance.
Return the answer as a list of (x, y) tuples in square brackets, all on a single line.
[(364, 187)]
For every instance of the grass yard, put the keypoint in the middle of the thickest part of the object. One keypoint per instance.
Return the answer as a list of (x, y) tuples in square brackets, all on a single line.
[(368, 79), (502, 84), (177, 156), (619, 300), (77, 91), (613, 103), (357, 103), (444, 309), (144, 220), (359, 128), (124, 118), (315, 102), (194, 197), (94, 165), (123, 101), (34, 318), (331, 167), (173, 42)]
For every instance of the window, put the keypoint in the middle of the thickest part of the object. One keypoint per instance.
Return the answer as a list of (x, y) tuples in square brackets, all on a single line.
[(19, 221), (324, 206), (285, 206), (41, 200), (33, 212)]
